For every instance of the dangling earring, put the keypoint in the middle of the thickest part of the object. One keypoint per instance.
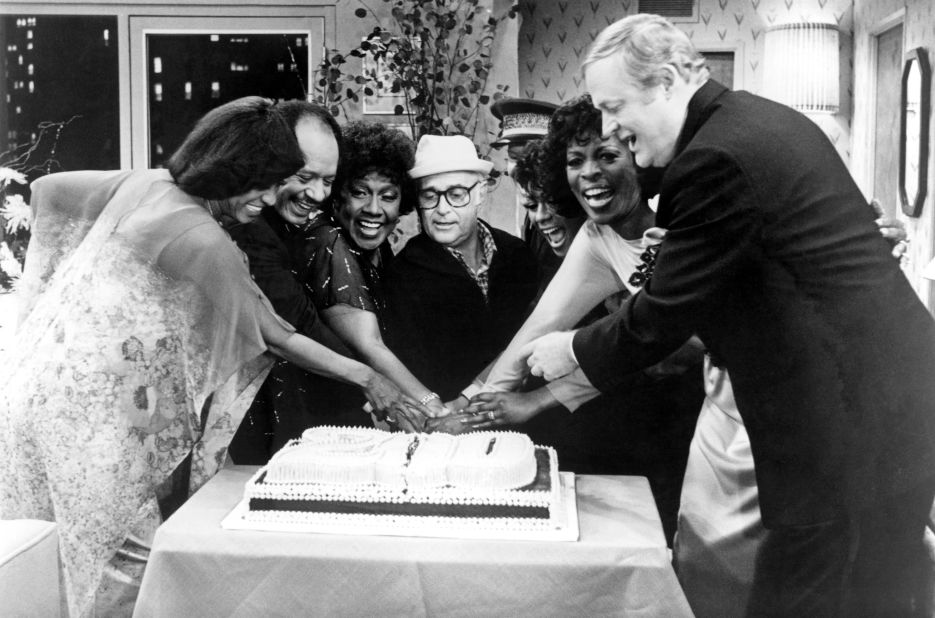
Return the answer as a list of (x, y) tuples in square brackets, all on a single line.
[(214, 209)]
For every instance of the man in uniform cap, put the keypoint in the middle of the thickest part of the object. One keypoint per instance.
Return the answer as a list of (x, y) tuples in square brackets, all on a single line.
[(523, 120)]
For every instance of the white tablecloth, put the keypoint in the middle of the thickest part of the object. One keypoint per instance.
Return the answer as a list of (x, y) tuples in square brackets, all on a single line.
[(619, 566)]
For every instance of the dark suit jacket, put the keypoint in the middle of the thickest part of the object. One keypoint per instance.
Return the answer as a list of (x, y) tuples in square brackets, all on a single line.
[(291, 399), (438, 322), (275, 249), (773, 258)]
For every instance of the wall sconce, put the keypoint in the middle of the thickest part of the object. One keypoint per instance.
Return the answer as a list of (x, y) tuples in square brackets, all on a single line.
[(801, 66)]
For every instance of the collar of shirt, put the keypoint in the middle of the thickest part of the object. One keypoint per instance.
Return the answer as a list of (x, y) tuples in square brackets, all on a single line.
[(488, 248)]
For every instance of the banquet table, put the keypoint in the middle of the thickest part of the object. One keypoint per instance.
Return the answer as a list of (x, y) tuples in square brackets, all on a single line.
[(618, 567)]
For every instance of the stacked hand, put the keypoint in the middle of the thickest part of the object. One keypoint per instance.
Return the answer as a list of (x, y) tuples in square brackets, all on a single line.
[(550, 356), (388, 403), (494, 410)]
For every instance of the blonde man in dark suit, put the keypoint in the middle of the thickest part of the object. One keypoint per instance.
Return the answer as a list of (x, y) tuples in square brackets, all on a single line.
[(773, 259)]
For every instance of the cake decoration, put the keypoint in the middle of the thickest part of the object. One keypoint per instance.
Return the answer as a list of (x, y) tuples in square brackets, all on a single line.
[(361, 480)]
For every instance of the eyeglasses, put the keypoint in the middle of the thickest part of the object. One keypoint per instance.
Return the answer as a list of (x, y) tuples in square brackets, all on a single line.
[(456, 196)]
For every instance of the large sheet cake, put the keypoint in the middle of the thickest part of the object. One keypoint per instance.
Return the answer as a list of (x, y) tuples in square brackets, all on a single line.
[(366, 481)]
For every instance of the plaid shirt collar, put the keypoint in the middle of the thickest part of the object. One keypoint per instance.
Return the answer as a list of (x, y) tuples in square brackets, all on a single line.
[(488, 247)]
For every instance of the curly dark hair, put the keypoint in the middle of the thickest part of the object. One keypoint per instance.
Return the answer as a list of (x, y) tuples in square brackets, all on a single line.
[(374, 147), (526, 171), (531, 173), (240, 146), (577, 120)]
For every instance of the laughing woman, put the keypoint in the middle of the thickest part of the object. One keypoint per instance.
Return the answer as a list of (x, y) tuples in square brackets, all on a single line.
[(643, 426), (347, 249)]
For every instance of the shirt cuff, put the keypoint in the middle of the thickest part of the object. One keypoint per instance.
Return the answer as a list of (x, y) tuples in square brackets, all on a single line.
[(573, 390), (473, 389)]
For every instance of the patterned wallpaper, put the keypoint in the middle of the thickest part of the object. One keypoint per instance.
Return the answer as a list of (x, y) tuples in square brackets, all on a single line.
[(555, 35)]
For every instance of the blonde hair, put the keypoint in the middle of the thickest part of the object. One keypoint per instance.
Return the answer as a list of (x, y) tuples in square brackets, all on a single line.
[(645, 44)]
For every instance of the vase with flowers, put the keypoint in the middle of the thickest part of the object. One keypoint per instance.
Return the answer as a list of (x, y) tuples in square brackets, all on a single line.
[(16, 215), (19, 165)]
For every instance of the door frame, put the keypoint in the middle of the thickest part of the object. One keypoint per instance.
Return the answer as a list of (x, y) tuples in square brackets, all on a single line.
[(864, 159)]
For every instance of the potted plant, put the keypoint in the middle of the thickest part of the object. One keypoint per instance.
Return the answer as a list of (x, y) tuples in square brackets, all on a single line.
[(433, 58)]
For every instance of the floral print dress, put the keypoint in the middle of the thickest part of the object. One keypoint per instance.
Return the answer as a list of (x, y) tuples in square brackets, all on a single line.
[(141, 344)]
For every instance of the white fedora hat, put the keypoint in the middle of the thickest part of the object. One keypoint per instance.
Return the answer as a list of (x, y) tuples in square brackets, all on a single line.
[(437, 154)]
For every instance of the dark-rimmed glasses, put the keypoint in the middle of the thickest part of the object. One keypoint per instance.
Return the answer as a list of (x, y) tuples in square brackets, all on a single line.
[(456, 196)]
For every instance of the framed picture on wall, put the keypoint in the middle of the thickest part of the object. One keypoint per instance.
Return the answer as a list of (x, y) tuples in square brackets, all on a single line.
[(725, 63), (383, 100), (402, 126)]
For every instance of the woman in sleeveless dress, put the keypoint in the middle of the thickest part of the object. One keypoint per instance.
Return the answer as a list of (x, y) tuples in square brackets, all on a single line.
[(719, 526), (347, 248)]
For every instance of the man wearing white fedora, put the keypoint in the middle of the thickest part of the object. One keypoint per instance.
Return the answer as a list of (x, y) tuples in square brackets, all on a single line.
[(459, 290)]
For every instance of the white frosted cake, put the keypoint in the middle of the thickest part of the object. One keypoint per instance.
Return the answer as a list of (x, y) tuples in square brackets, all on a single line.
[(349, 478)]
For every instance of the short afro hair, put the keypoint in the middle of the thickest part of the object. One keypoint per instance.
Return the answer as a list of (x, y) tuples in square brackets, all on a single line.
[(531, 174), (374, 147)]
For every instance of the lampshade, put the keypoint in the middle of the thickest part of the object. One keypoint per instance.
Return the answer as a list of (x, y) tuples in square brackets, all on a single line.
[(801, 66)]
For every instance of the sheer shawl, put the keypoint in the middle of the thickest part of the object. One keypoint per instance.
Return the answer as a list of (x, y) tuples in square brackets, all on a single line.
[(139, 316)]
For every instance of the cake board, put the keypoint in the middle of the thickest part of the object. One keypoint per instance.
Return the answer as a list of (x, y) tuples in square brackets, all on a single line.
[(566, 528)]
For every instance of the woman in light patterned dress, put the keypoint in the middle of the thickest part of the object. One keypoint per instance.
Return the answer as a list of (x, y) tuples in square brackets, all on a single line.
[(143, 337)]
